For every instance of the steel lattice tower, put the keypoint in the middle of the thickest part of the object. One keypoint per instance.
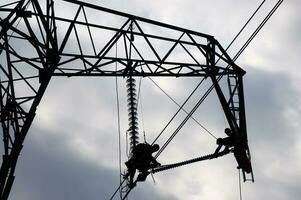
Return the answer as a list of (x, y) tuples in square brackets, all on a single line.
[(45, 37)]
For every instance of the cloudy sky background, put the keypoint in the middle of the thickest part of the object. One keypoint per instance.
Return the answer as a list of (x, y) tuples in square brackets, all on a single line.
[(71, 151)]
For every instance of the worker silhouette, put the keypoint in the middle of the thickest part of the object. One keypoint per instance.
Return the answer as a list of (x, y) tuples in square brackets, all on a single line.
[(10, 106), (239, 149), (141, 160)]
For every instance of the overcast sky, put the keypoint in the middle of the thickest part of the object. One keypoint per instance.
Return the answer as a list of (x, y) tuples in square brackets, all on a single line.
[(71, 151)]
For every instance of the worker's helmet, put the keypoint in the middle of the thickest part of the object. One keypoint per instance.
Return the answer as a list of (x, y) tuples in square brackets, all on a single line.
[(155, 147), (228, 132)]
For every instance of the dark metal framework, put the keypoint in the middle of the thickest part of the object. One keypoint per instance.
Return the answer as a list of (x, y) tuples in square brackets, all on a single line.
[(36, 44)]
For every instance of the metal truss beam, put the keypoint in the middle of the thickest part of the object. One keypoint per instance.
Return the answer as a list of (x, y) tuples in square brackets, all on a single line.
[(147, 57)]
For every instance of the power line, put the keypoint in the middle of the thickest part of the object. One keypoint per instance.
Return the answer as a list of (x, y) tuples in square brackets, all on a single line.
[(183, 122), (118, 123), (239, 185), (248, 21), (220, 77), (246, 44), (245, 25), (115, 192), (178, 111), (182, 108), (139, 101), (212, 86)]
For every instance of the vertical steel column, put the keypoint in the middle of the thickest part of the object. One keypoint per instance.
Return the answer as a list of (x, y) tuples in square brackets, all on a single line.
[(212, 73)]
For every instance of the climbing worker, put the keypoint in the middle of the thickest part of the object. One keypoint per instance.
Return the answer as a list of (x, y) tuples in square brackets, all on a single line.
[(239, 149), (142, 160), (10, 105)]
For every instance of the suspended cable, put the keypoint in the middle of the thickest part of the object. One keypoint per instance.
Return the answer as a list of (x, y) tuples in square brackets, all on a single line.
[(141, 107), (211, 88), (178, 111), (126, 144), (139, 89), (118, 188), (127, 192), (239, 185), (236, 36), (185, 120), (118, 124), (246, 44), (183, 123), (215, 63), (203, 127), (245, 25), (220, 77)]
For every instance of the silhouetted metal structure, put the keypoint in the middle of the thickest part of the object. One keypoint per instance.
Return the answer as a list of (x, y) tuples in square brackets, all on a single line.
[(36, 44)]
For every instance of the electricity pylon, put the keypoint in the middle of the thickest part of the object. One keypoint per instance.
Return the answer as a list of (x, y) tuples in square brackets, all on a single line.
[(36, 44)]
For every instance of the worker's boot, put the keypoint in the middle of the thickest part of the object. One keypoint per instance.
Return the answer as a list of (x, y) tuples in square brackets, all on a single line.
[(141, 177), (132, 184)]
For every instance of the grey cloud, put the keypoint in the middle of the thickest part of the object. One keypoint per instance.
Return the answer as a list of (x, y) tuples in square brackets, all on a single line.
[(268, 94), (269, 188), (49, 170), (272, 136)]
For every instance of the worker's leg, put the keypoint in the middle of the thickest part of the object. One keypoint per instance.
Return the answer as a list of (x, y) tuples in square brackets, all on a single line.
[(131, 175), (142, 175), (242, 159)]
